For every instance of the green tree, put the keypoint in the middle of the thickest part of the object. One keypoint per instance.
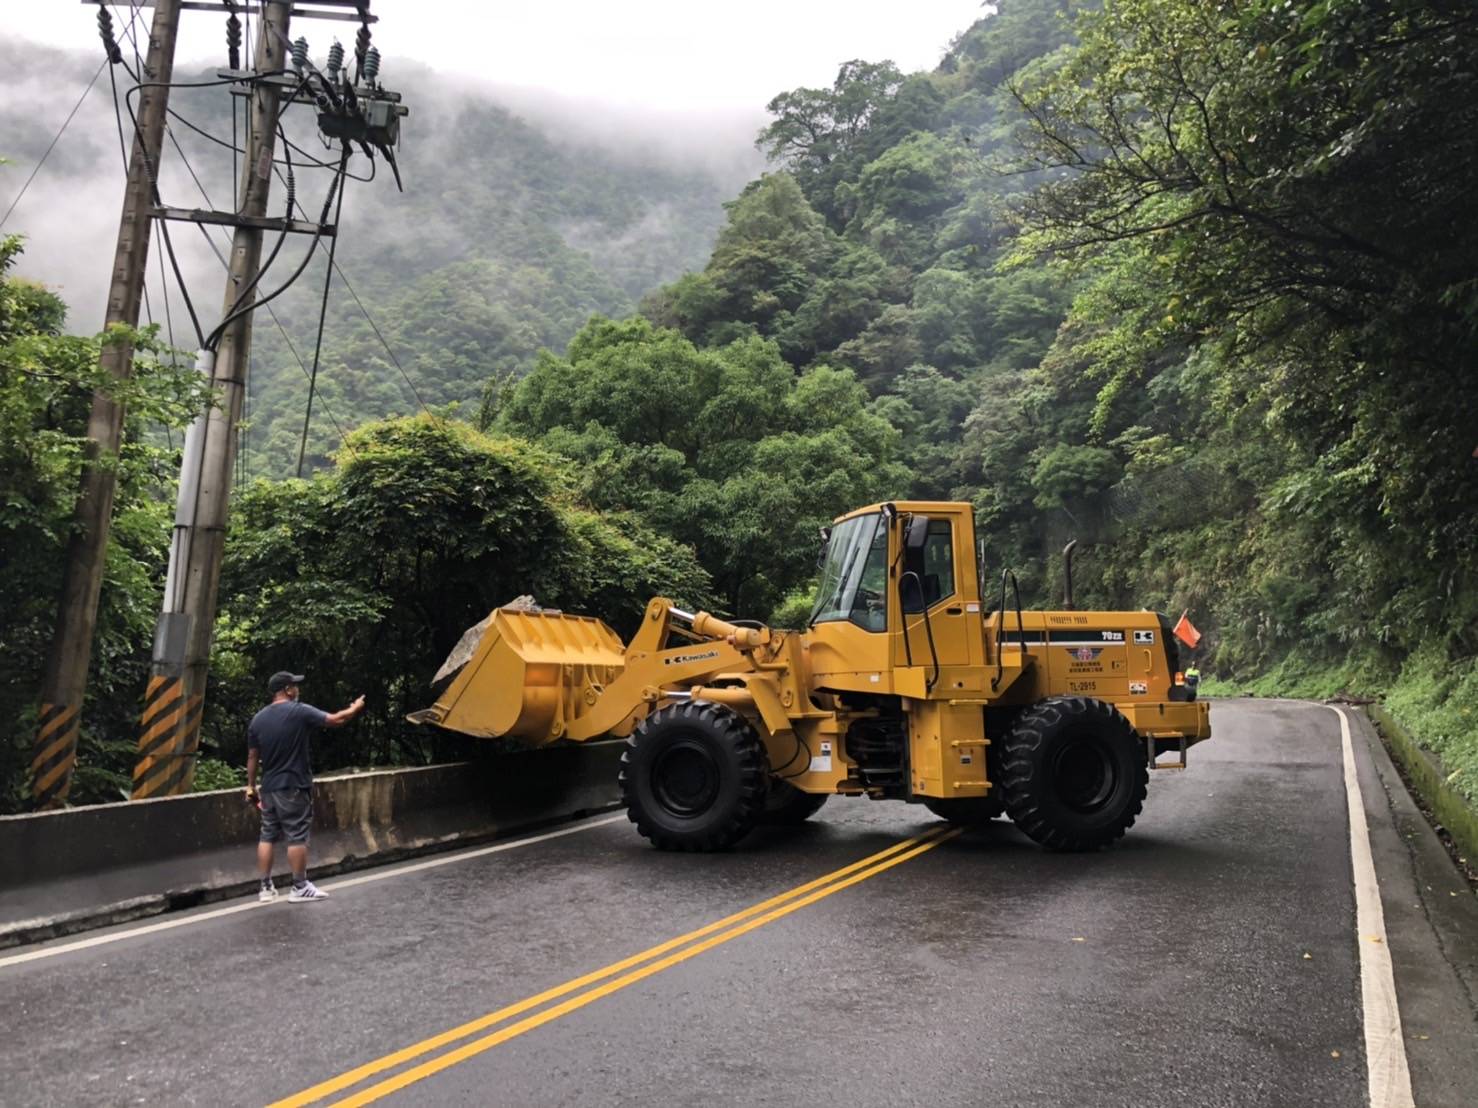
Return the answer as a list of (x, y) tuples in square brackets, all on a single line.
[(1286, 187), (764, 266), (366, 576), (47, 380), (817, 133), (723, 449), (929, 408)]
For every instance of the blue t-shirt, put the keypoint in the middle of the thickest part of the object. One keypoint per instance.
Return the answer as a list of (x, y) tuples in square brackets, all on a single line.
[(280, 734)]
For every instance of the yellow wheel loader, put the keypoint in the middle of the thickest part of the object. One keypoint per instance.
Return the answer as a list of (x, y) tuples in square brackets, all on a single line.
[(906, 684)]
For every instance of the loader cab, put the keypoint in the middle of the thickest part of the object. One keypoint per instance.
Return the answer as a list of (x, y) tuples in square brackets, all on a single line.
[(898, 607)]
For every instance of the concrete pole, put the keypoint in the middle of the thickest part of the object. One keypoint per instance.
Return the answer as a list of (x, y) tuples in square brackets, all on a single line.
[(65, 677), (169, 733)]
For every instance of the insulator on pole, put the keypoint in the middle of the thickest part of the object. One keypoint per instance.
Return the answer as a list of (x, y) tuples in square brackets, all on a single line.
[(233, 38), (335, 60), (300, 54), (361, 47), (371, 68), (105, 29)]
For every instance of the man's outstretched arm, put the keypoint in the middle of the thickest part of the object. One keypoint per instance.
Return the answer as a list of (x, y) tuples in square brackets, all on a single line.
[(338, 719)]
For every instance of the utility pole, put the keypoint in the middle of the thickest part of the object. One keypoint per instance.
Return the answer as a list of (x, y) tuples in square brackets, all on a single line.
[(65, 679), (169, 729), (359, 111)]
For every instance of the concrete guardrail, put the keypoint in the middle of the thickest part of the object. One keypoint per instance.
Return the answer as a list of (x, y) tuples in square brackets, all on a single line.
[(94, 866), (1451, 812)]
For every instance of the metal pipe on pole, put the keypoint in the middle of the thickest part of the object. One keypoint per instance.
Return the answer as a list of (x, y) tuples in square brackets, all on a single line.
[(64, 681)]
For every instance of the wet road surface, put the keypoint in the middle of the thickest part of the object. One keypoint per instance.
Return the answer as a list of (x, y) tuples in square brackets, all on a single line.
[(872, 957)]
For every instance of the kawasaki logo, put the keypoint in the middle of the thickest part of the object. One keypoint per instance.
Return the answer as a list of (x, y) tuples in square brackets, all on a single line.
[(682, 659)]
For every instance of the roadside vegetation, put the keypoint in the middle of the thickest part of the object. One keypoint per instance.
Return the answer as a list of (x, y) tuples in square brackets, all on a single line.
[(1191, 283)]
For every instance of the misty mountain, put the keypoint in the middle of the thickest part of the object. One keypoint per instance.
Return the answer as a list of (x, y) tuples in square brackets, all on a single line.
[(513, 229)]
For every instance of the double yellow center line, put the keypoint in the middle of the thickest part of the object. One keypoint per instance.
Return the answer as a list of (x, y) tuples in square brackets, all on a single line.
[(602, 982)]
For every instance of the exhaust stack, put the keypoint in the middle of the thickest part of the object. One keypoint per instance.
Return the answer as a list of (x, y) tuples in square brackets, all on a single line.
[(1067, 576)]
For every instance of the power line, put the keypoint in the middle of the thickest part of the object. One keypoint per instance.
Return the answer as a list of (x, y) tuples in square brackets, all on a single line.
[(154, 181), (205, 195), (133, 35), (328, 273), (344, 277), (20, 195), (375, 327), (138, 61), (332, 268), (153, 173), (123, 153), (168, 324), (316, 163), (343, 435), (235, 310), (240, 308), (113, 54), (235, 149), (128, 29), (250, 42)]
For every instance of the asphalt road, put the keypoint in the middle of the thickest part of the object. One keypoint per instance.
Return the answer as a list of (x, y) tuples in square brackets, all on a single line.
[(1212, 958)]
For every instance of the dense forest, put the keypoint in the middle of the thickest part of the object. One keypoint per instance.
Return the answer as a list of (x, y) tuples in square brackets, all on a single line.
[(505, 241), (1188, 282)]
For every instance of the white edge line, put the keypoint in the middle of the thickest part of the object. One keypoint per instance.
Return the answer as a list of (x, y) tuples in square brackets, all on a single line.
[(378, 875), (1385, 1046)]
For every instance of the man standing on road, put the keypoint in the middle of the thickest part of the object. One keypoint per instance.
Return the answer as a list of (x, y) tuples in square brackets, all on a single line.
[(277, 741), (1193, 678)]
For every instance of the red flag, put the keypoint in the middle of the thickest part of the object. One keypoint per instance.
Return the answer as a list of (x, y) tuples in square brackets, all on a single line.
[(1186, 631)]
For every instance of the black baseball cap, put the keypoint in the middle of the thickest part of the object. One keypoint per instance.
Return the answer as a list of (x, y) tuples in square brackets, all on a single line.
[(282, 679)]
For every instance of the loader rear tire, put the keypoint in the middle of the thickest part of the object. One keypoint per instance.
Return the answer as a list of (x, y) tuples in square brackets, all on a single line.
[(968, 811), (1073, 773), (693, 777), (788, 806)]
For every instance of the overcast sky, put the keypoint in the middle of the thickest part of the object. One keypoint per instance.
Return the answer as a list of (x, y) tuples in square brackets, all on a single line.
[(660, 53), (686, 80)]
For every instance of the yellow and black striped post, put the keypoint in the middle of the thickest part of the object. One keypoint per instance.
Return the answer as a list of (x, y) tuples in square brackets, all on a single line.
[(55, 754), (169, 737)]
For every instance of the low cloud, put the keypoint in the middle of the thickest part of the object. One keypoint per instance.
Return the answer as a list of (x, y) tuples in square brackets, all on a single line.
[(70, 214)]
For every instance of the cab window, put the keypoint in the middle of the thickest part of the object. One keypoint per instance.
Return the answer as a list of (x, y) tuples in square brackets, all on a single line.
[(854, 577), (939, 561), (935, 569)]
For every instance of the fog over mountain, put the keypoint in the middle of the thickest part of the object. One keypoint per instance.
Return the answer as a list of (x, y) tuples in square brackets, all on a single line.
[(69, 215)]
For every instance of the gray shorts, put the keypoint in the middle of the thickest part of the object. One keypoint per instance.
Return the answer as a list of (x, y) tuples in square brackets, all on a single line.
[(287, 812)]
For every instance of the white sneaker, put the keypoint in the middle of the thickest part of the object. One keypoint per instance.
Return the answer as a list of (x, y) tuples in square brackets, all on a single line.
[(309, 891), (267, 894)]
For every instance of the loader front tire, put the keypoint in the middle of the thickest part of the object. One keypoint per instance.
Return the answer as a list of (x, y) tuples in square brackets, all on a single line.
[(788, 806), (1074, 775), (693, 777)]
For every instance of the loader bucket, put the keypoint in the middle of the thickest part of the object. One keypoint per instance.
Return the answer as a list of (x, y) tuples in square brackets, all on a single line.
[(528, 676)]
